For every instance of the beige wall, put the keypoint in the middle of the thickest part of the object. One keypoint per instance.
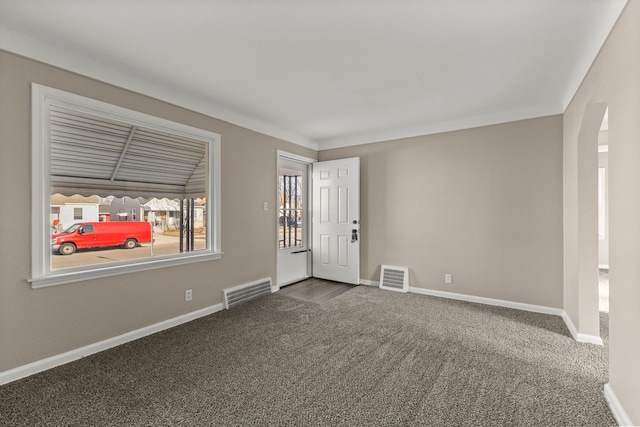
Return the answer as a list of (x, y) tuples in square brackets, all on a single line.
[(35, 324), (614, 81), (483, 204)]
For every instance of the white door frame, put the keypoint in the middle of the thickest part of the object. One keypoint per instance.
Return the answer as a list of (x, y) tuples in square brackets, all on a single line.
[(283, 155)]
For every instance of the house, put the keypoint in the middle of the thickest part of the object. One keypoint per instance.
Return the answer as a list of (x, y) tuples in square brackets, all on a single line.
[(164, 214), (509, 208), (66, 211)]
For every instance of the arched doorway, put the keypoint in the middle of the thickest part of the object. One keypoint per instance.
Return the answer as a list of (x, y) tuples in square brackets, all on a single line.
[(588, 224)]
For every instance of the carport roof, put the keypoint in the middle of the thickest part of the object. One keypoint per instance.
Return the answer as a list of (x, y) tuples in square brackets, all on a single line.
[(92, 155)]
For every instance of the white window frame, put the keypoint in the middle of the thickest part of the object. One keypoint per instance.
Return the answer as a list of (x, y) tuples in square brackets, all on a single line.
[(42, 275)]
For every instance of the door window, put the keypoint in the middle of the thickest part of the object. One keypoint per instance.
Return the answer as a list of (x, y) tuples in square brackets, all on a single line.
[(291, 211)]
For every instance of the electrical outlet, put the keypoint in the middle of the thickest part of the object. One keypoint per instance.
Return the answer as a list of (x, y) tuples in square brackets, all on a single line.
[(188, 295), (265, 206), (447, 278)]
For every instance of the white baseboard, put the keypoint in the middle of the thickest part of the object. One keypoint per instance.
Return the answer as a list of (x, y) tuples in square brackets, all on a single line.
[(488, 301), (590, 339), (620, 415), (572, 328), (61, 359)]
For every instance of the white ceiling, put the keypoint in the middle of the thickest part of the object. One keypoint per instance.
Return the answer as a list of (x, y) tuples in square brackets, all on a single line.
[(325, 73)]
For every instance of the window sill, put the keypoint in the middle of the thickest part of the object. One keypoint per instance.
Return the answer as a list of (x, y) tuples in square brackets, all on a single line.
[(65, 276)]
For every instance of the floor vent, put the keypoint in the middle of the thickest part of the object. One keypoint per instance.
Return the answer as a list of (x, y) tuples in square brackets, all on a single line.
[(394, 278), (244, 293)]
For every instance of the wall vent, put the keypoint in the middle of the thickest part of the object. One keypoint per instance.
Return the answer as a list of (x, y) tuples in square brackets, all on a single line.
[(247, 292), (394, 278)]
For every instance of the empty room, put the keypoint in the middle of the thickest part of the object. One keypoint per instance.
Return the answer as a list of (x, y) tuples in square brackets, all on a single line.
[(320, 213)]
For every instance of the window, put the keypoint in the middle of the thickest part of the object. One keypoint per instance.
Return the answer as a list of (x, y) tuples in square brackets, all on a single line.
[(290, 212), (149, 190)]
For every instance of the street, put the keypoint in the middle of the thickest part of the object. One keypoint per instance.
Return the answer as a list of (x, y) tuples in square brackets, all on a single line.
[(163, 245)]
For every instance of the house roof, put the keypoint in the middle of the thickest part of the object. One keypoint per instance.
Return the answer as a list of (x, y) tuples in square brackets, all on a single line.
[(323, 73), (60, 199)]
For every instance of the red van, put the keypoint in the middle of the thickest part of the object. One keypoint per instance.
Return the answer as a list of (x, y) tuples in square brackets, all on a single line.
[(101, 234)]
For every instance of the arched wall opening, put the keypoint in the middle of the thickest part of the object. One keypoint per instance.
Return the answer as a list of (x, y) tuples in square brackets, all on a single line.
[(587, 255)]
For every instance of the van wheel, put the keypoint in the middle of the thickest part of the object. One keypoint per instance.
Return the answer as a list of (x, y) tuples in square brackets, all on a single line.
[(130, 243), (67, 249)]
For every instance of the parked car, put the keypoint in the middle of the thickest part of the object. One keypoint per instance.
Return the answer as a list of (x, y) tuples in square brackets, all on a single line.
[(289, 221), (101, 234)]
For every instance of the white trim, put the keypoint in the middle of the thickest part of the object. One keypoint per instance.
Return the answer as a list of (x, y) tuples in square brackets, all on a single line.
[(603, 266), (488, 301), (572, 328), (620, 415), (122, 267), (481, 120), (61, 359), (282, 155), (584, 338), (214, 220), (590, 339), (296, 157), (42, 97)]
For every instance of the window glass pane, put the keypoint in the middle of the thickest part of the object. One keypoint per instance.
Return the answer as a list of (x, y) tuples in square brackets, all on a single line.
[(170, 227), (290, 213), (126, 173)]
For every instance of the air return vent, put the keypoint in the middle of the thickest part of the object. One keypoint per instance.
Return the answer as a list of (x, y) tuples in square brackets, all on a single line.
[(244, 293), (394, 278)]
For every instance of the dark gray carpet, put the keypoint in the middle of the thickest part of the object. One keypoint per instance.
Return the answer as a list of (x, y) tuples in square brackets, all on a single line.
[(365, 358)]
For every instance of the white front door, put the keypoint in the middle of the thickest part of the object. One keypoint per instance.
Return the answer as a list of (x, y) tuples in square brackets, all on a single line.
[(336, 220)]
